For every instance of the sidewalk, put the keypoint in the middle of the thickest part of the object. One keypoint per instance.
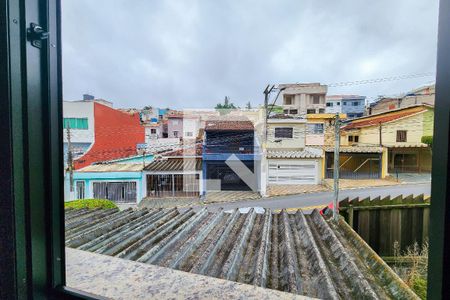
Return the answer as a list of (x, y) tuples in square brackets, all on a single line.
[(360, 183), (230, 196), (292, 189)]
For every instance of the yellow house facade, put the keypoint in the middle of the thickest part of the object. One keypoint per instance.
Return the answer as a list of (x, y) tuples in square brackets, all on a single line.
[(399, 133)]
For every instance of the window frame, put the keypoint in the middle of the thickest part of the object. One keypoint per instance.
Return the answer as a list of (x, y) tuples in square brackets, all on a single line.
[(315, 97), (35, 264), (283, 128), (402, 136), (290, 97)]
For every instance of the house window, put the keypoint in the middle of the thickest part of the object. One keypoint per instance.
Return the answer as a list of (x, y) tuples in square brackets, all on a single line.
[(316, 99), (188, 133), (355, 103), (345, 103), (315, 128), (284, 132), (288, 99), (286, 111), (353, 138), (153, 131), (175, 133), (293, 111), (338, 103), (321, 110), (401, 136), (330, 104), (76, 123), (310, 111)]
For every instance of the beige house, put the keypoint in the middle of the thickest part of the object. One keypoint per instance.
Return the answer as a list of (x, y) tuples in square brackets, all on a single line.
[(303, 98), (400, 131), (289, 160), (286, 133)]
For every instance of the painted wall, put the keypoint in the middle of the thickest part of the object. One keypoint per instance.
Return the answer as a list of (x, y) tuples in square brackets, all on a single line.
[(303, 99), (80, 109), (297, 140), (414, 125), (90, 177), (348, 107), (317, 162), (190, 126), (116, 135), (175, 124), (149, 136)]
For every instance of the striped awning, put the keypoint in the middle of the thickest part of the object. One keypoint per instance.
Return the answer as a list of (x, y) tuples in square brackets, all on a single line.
[(174, 165), (356, 149)]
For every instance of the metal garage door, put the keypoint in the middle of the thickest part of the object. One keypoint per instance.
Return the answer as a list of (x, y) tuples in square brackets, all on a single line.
[(292, 172)]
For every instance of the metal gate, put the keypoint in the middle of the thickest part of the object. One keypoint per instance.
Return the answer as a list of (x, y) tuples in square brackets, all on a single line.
[(124, 191), (172, 185)]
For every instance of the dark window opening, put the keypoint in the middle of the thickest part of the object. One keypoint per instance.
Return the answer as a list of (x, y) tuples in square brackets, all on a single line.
[(284, 132), (401, 136)]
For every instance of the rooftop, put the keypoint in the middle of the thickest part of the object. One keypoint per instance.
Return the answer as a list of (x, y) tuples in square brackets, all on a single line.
[(375, 120), (113, 167), (344, 97), (296, 253), (219, 125), (356, 149)]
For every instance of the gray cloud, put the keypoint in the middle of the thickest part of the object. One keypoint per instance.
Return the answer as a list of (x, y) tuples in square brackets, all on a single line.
[(193, 53)]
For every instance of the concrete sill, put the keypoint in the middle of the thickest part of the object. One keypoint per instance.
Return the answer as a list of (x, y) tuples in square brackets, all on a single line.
[(117, 278)]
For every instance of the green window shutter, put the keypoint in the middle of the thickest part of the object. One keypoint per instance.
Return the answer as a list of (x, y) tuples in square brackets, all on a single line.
[(83, 123), (75, 123)]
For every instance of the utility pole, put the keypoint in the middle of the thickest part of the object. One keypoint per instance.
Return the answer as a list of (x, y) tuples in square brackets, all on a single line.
[(69, 158), (266, 92), (337, 141), (381, 140)]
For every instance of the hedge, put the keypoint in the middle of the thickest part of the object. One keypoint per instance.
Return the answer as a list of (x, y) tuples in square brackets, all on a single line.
[(90, 203)]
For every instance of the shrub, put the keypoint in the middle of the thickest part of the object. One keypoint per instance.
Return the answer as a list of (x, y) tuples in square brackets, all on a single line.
[(415, 274), (428, 139), (90, 203)]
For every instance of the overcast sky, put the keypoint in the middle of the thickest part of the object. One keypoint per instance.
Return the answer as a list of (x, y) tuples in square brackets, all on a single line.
[(193, 53)]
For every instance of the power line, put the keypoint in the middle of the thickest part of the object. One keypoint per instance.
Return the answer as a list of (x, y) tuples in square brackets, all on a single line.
[(383, 79)]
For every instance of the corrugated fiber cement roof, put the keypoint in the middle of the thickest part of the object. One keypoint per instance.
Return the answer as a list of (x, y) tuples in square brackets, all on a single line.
[(297, 253)]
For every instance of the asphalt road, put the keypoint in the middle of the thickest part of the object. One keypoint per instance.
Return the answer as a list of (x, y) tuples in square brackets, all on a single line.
[(310, 201)]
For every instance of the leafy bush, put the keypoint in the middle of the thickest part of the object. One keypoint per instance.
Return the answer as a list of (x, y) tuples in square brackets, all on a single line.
[(90, 203), (428, 139)]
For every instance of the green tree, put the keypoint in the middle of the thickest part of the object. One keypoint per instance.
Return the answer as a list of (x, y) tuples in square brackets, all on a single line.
[(225, 107)]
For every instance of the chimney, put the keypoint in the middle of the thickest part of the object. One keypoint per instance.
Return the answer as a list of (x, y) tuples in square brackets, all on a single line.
[(88, 97)]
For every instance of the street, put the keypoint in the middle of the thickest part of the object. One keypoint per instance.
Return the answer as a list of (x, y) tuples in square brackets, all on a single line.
[(313, 200)]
